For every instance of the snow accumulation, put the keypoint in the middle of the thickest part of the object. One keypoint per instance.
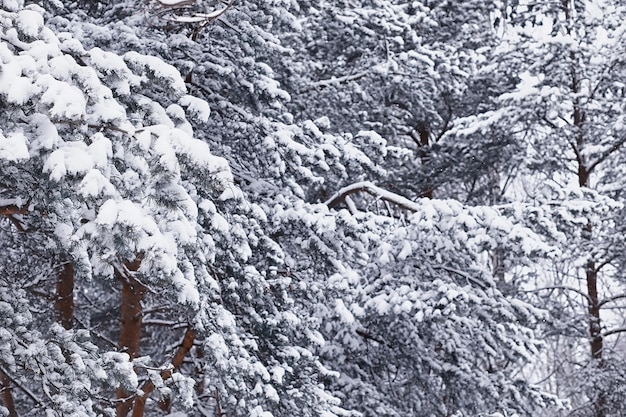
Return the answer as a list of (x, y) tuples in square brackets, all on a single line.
[(13, 147)]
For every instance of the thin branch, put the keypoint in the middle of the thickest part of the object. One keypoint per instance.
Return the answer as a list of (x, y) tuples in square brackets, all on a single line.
[(465, 275), (18, 225), (579, 157), (612, 299), (614, 331), (177, 361), (563, 287), (606, 154)]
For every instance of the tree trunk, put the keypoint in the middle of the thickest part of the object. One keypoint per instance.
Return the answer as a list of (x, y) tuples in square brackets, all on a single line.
[(424, 141), (130, 323), (7, 395), (591, 272), (64, 301), (584, 180)]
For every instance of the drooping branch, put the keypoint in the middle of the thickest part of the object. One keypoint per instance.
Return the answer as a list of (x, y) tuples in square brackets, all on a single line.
[(616, 146), (611, 299), (22, 388), (371, 189)]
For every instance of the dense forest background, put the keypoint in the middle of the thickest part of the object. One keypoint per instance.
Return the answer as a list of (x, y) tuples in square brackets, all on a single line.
[(277, 208)]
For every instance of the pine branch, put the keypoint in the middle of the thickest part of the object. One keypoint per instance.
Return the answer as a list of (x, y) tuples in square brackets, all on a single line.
[(369, 188), (606, 154), (177, 361), (12, 209)]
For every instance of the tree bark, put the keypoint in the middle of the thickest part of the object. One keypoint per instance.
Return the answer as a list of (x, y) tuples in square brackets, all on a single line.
[(595, 328), (130, 323), (64, 301), (423, 131), (584, 180), (7, 395)]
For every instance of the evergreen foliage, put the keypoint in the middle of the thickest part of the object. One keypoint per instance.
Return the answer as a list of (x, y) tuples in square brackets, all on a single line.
[(309, 208)]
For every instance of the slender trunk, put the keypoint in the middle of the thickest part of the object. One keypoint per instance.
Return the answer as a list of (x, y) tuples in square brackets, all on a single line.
[(7, 395), (591, 272), (130, 324), (423, 131), (64, 301), (595, 328), (584, 180)]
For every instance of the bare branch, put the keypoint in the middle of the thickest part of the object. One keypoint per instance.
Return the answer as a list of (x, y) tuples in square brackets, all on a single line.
[(612, 299), (579, 157), (614, 331)]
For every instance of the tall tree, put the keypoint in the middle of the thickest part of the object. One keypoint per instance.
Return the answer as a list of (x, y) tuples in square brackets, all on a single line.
[(99, 157), (566, 114)]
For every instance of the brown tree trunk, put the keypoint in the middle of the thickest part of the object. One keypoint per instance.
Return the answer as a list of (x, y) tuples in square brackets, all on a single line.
[(584, 180), (423, 131), (130, 323), (591, 272), (7, 395), (595, 328), (64, 300)]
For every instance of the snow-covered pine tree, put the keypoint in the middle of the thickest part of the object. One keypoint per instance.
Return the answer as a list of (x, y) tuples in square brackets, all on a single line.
[(261, 303), (566, 114), (101, 169)]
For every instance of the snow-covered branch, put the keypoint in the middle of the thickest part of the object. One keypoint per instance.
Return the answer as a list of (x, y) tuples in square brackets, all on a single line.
[(11, 207), (204, 18), (369, 188), (565, 288), (147, 388)]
